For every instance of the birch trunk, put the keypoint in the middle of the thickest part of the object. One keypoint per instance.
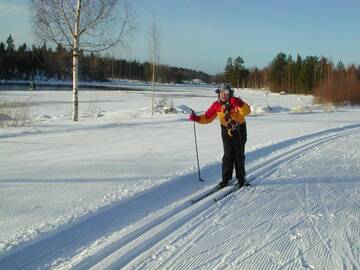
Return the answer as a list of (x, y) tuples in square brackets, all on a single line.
[(76, 63), (153, 83)]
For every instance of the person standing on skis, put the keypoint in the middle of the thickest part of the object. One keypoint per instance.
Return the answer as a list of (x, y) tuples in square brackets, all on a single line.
[(231, 112)]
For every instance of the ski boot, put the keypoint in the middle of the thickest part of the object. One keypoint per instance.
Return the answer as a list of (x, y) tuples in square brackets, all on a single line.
[(222, 184)]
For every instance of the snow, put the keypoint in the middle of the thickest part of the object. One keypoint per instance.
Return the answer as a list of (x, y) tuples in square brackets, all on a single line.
[(114, 190)]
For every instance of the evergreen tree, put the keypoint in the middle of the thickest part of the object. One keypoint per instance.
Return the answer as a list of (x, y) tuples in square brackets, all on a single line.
[(238, 70), (340, 66), (278, 72), (307, 76), (9, 58), (296, 74), (10, 44), (2, 60), (63, 63), (22, 62), (290, 75), (229, 70)]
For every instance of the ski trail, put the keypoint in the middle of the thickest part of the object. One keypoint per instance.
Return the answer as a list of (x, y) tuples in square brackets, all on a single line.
[(263, 228), (306, 214), (351, 236), (266, 168), (284, 158), (269, 237), (278, 243), (315, 235), (201, 241), (157, 229), (197, 235)]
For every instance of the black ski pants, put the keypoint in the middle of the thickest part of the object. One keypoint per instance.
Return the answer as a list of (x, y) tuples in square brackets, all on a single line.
[(234, 153)]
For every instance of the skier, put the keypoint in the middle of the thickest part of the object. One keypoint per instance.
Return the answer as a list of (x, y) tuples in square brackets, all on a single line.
[(231, 112)]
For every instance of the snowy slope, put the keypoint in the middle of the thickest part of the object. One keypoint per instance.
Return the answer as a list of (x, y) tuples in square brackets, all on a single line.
[(114, 190), (299, 216)]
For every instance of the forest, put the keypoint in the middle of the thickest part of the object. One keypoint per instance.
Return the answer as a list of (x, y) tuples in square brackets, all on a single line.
[(314, 75), (43, 62)]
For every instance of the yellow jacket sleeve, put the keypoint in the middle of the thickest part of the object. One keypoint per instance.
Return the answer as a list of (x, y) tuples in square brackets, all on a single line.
[(244, 109)]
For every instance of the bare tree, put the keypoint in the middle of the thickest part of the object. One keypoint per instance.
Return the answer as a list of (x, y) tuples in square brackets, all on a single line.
[(155, 48), (82, 25)]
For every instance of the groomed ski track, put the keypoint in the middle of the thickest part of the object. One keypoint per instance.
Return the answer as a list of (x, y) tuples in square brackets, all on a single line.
[(149, 235)]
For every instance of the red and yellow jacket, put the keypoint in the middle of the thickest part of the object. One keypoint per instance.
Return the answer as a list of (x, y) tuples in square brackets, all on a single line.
[(238, 110)]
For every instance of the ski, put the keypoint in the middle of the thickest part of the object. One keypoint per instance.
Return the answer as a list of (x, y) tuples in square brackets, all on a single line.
[(204, 195), (230, 191), (212, 191)]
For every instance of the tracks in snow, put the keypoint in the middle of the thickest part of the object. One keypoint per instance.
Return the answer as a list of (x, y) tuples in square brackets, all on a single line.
[(125, 252), (143, 236)]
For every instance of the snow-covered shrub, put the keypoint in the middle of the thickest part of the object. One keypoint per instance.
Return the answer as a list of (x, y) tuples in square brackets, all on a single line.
[(94, 109), (304, 109), (301, 109), (329, 107), (260, 109), (164, 105), (13, 114)]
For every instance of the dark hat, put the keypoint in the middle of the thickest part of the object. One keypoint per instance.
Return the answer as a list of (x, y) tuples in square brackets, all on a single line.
[(224, 87)]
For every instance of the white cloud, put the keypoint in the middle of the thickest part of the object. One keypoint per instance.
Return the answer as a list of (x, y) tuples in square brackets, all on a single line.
[(14, 8)]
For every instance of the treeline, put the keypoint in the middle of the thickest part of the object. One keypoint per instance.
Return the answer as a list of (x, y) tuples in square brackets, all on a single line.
[(310, 75), (42, 62), (340, 86)]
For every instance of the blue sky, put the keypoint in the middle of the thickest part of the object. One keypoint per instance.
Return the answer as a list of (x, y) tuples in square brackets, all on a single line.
[(202, 34)]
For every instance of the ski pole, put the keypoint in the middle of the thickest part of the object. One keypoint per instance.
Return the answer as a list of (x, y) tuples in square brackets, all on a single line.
[(197, 152)]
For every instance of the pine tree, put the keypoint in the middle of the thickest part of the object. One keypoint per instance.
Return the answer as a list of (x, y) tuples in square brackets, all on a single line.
[(297, 71), (289, 79), (340, 66), (307, 76), (278, 72), (10, 44), (2, 60), (229, 70), (237, 70), (9, 57)]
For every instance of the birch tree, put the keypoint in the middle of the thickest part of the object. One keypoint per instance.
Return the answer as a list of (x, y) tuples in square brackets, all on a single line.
[(155, 48), (82, 25)]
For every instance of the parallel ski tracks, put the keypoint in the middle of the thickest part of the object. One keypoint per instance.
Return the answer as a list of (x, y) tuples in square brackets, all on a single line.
[(123, 252), (143, 237)]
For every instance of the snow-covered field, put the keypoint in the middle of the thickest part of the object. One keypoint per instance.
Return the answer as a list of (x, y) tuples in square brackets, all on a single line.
[(114, 190)]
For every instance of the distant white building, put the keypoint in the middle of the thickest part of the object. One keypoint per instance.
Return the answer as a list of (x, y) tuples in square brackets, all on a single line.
[(196, 81)]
